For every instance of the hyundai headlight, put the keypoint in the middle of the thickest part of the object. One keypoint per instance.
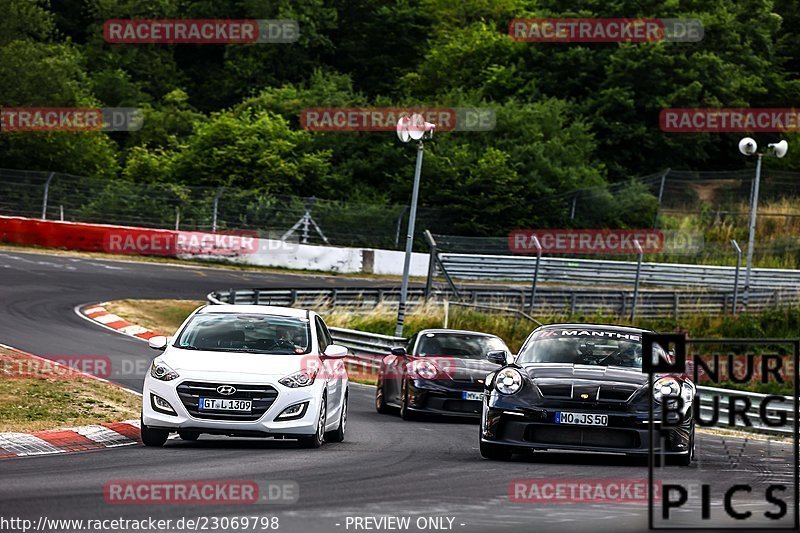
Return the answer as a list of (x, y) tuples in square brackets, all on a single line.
[(304, 378), (665, 387), (162, 371), (508, 381), (424, 369)]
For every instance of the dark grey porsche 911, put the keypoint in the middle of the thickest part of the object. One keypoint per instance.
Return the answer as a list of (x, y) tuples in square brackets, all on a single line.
[(439, 372), (581, 387)]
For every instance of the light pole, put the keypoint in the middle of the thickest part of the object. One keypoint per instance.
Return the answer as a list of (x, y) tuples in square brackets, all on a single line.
[(411, 128), (748, 147)]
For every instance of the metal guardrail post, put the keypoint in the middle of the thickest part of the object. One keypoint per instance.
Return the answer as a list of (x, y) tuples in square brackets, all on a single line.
[(232, 296), (46, 194), (535, 272), (736, 275), (660, 195), (216, 209), (431, 262), (638, 275)]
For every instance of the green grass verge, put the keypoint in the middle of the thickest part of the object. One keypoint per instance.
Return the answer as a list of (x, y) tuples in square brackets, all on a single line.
[(32, 399)]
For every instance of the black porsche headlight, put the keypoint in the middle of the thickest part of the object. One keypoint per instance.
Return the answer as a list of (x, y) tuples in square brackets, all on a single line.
[(508, 381), (665, 387)]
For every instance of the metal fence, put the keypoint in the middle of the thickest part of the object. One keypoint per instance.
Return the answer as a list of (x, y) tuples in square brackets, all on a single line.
[(595, 271), (58, 196), (549, 300), (714, 197), (706, 402)]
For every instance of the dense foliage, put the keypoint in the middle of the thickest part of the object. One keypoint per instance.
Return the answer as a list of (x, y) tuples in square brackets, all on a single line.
[(568, 116)]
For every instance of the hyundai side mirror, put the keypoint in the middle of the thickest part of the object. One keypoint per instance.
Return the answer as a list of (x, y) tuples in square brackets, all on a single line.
[(498, 357), (335, 351), (399, 351), (158, 342)]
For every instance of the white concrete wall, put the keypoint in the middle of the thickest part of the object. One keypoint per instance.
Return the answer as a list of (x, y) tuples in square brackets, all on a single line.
[(276, 253), (390, 262)]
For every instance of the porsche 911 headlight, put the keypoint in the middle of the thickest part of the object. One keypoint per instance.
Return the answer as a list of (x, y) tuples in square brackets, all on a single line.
[(508, 381), (424, 369), (162, 371), (687, 394), (665, 387), (304, 378)]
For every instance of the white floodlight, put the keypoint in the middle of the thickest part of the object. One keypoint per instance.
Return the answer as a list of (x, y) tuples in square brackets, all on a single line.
[(748, 146), (403, 125), (779, 148)]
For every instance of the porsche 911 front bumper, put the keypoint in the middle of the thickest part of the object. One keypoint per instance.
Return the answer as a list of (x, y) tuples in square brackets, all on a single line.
[(626, 432)]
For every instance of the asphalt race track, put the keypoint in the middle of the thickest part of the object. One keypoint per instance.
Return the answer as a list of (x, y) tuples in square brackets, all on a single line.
[(384, 467)]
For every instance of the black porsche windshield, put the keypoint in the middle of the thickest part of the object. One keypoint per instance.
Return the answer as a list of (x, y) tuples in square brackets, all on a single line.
[(584, 347), (463, 345), (229, 332)]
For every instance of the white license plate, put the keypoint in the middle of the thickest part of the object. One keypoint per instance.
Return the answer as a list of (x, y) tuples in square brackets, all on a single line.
[(473, 396), (223, 404), (581, 419)]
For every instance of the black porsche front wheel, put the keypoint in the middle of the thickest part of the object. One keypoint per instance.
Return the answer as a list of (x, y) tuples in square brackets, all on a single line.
[(495, 452), (405, 412), (380, 396)]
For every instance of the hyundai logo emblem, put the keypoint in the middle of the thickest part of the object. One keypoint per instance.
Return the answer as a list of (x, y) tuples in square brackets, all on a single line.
[(227, 390)]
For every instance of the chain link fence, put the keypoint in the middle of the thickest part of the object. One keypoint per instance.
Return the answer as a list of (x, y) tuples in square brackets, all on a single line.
[(715, 204)]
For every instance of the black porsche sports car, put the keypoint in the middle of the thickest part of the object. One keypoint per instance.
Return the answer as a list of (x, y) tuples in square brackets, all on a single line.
[(581, 387), (441, 371)]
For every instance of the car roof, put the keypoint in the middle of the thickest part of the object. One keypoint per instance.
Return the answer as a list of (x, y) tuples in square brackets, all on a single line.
[(256, 310), (607, 327), (455, 332)]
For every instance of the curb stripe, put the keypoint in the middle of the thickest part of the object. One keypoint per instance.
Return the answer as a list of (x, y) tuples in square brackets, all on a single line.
[(26, 444), (125, 428), (101, 315), (68, 440)]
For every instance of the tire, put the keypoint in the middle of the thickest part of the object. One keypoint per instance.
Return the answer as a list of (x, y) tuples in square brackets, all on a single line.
[(686, 459), (153, 437), (380, 397), (337, 435), (189, 435), (316, 440), (495, 452), (405, 412)]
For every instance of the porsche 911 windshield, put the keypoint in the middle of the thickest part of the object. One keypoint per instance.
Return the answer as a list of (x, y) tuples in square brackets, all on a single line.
[(587, 347), (458, 345), (227, 332)]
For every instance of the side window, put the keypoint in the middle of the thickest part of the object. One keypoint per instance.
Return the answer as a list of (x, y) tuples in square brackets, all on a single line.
[(323, 337), (411, 342), (327, 332)]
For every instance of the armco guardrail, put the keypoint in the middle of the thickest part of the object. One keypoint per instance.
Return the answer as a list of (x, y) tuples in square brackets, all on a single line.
[(652, 303), (707, 395), (594, 271)]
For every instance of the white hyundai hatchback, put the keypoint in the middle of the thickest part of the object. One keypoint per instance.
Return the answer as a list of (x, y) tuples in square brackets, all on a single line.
[(250, 371)]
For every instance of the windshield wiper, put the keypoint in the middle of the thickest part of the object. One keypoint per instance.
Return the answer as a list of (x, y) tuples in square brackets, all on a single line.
[(188, 347)]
